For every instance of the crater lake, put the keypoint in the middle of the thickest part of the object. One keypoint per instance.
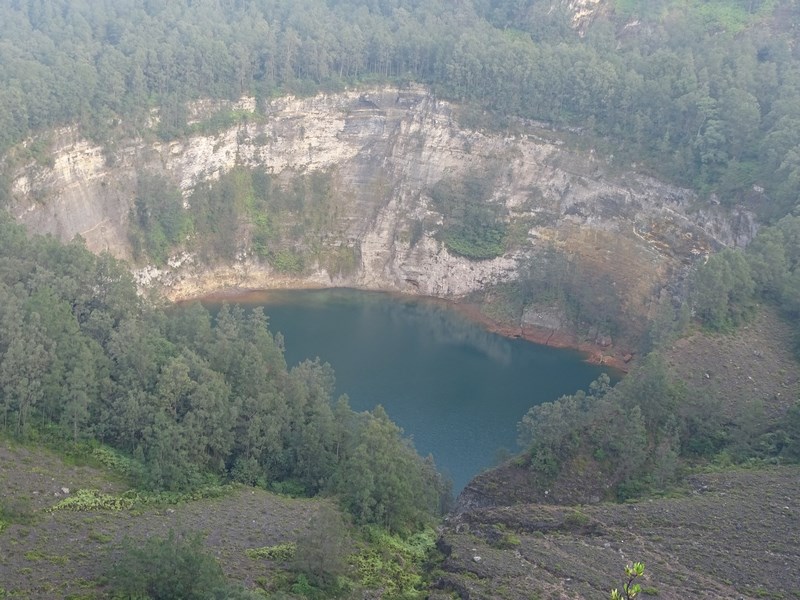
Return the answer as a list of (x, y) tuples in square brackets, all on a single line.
[(455, 388)]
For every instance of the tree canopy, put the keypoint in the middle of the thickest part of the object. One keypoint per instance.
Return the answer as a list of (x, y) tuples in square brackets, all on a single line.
[(191, 397), (706, 93)]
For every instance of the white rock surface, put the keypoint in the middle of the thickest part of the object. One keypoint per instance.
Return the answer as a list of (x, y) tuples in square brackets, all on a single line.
[(385, 149)]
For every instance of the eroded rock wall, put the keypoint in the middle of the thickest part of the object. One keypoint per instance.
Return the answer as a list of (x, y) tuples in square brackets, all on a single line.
[(385, 149)]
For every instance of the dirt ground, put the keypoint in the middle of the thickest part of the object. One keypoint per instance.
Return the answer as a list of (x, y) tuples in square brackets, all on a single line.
[(729, 535)]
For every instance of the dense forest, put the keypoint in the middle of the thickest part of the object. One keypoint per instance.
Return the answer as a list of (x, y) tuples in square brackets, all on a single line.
[(186, 399), (706, 93)]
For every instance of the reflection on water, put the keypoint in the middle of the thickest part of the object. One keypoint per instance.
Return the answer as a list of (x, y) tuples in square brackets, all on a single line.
[(456, 388), (442, 325)]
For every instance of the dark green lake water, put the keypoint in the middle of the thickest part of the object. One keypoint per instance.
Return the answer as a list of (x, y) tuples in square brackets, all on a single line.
[(455, 388)]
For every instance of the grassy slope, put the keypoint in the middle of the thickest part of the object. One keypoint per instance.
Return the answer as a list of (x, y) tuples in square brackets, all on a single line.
[(55, 555)]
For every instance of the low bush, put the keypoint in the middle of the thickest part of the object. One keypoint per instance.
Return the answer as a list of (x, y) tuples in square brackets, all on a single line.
[(169, 568)]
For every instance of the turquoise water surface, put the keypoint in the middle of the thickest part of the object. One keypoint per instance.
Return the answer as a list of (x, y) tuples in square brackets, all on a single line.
[(455, 388)]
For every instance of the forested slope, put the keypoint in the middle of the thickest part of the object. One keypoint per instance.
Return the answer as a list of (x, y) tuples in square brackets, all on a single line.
[(706, 93), (187, 399)]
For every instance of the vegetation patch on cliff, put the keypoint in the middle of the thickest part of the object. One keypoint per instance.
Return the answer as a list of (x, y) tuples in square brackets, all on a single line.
[(474, 225)]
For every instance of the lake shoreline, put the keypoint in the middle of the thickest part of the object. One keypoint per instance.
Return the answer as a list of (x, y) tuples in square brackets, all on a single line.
[(594, 354), (452, 384)]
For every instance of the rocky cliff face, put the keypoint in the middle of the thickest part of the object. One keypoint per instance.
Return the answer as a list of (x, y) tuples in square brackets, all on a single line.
[(384, 150)]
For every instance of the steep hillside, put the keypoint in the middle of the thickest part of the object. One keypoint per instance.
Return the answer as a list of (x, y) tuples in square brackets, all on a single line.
[(717, 539), (389, 160), (750, 370)]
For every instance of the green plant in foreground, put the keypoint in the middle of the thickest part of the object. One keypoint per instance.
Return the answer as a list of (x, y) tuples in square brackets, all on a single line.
[(629, 589), (393, 563)]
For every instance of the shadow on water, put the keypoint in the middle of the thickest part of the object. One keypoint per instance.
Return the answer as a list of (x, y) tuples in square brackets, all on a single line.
[(455, 388)]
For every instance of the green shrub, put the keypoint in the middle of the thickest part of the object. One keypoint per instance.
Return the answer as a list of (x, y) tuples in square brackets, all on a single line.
[(290, 488), (476, 244), (168, 568), (394, 563), (281, 552), (118, 462), (220, 121), (85, 500), (303, 587), (576, 519), (504, 539), (148, 498), (473, 224)]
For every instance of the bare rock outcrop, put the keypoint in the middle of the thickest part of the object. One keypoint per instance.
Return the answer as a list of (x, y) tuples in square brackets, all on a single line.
[(385, 149)]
